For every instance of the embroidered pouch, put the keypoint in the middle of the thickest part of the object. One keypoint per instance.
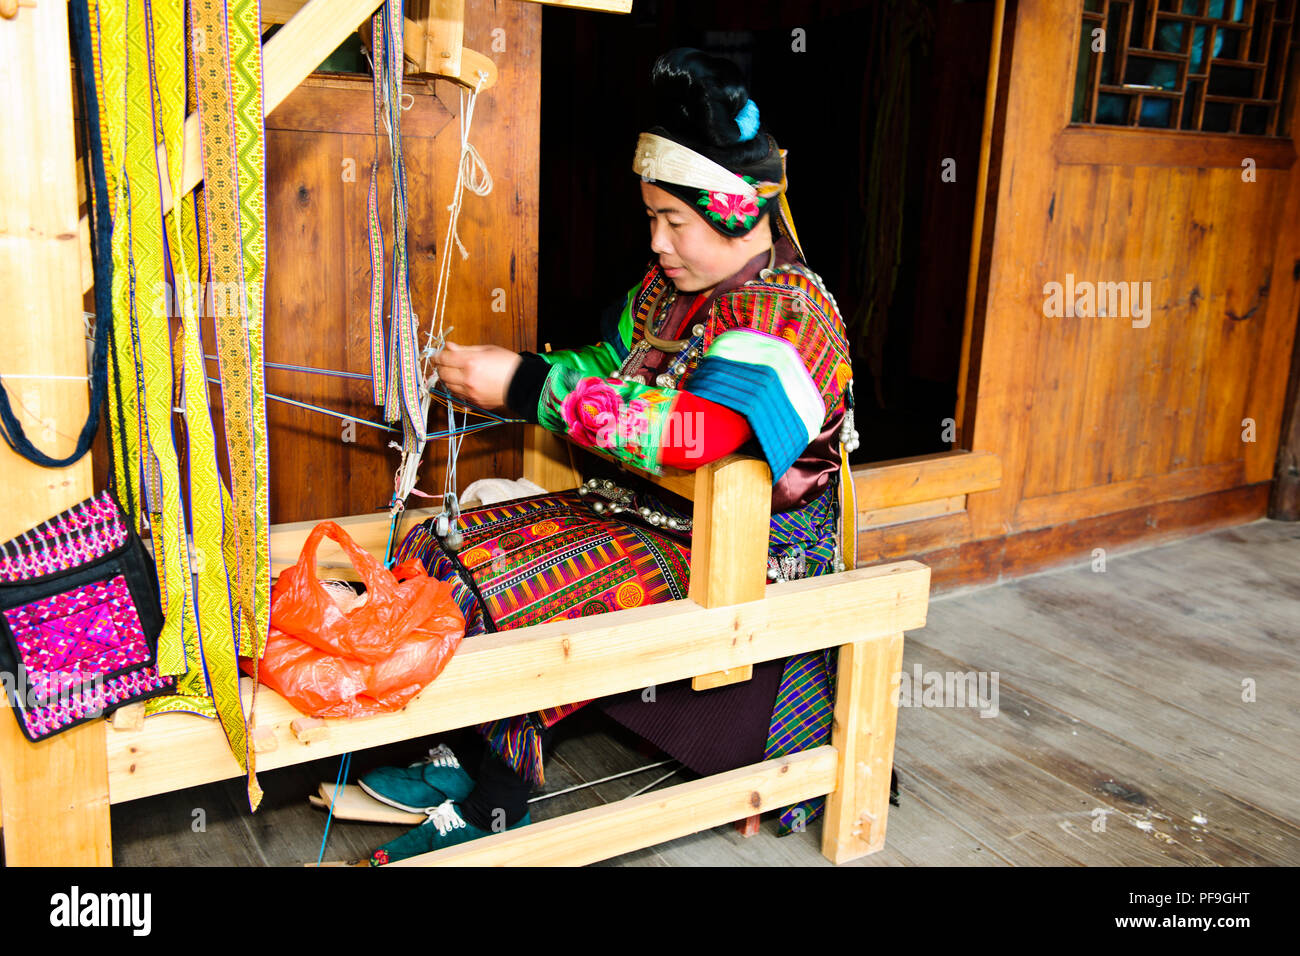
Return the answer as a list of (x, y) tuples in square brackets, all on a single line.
[(79, 619)]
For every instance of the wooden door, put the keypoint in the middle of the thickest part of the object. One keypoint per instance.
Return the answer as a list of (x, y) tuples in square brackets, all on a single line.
[(1116, 428)]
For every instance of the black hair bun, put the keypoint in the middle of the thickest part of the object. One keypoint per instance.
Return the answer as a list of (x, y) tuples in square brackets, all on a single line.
[(696, 98)]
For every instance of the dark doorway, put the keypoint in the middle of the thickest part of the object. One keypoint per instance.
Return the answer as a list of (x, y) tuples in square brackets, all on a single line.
[(880, 105)]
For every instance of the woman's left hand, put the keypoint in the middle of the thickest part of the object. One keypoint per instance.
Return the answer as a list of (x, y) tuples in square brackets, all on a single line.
[(479, 374)]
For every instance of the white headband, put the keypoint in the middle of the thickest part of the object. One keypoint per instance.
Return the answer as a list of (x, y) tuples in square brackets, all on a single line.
[(658, 158)]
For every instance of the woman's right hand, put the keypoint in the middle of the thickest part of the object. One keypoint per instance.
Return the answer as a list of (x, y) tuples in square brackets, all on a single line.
[(479, 374)]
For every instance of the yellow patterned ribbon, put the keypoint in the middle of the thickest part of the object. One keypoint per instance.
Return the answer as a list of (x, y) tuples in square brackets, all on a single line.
[(228, 57), (227, 48), (215, 620), (145, 260)]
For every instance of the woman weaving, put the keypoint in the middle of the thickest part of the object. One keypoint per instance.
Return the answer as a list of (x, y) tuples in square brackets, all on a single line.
[(728, 343)]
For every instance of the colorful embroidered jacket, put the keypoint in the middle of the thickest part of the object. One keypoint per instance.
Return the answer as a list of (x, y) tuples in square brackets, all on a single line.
[(773, 350)]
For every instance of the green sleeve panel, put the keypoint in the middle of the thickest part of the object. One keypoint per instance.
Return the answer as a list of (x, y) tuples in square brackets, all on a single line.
[(599, 359), (604, 358)]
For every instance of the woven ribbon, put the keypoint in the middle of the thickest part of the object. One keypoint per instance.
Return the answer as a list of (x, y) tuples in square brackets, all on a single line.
[(405, 398), (140, 59)]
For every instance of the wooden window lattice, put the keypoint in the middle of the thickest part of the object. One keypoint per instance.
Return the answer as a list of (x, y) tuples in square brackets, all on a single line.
[(1207, 66)]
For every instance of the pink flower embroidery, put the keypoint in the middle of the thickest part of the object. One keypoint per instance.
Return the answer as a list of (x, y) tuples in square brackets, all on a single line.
[(730, 206), (591, 412)]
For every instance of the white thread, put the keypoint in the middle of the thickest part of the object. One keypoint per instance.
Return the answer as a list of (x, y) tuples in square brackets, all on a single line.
[(471, 173)]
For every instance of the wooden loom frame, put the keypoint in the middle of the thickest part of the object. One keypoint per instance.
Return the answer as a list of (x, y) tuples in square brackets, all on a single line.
[(56, 794)]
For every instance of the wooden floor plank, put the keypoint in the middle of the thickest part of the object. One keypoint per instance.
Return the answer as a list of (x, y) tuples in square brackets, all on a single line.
[(1130, 786), (1195, 666), (1210, 580), (1182, 737), (1025, 815), (1255, 602)]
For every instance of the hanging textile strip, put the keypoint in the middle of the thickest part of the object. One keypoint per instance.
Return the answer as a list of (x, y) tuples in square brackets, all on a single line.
[(198, 197), (138, 246), (405, 396), (167, 64), (244, 18), (213, 585), (229, 61), (228, 52), (375, 233), (124, 374)]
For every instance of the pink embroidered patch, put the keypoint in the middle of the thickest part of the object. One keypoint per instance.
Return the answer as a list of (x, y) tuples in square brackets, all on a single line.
[(78, 636)]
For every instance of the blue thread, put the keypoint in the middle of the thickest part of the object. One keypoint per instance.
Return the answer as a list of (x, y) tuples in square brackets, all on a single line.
[(493, 419), (747, 120), (344, 764)]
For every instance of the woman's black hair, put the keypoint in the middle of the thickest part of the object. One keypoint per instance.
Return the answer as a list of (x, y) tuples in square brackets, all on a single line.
[(696, 98)]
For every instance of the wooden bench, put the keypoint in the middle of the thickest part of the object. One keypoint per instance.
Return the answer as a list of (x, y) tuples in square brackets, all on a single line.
[(731, 621)]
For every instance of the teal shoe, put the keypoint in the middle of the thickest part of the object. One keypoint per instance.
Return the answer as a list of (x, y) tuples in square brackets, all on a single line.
[(445, 827), (422, 786)]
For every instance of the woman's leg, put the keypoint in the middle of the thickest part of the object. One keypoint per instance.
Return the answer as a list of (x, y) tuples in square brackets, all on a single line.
[(500, 796)]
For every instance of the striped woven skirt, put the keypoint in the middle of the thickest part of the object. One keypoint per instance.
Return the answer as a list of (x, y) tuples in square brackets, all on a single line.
[(551, 557)]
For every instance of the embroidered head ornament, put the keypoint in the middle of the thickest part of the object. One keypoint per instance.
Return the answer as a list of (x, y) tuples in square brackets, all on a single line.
[(730, 198)]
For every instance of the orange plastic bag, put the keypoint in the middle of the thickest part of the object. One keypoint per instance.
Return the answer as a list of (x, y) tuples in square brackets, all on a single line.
[(370, 660)]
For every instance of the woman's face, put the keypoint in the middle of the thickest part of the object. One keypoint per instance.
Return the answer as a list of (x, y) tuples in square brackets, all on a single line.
[(693, 255)]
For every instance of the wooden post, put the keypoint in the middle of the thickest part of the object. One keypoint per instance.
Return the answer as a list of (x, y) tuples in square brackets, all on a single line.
[(866, 714), (55, 793), (729, 534), (546, 460), (444, 35)]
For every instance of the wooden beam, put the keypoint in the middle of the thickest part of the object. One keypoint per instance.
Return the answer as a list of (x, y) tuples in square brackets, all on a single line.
[(518, 671), (55, 792), (599, 833), (444, 36), (714, 679), (879, 517), (370, 531), (729, 531), (1045, 511), (905, 481), (1093, 146)]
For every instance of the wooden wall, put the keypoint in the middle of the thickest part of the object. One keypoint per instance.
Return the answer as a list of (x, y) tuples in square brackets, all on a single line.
[(319, 267), (1110, 434)]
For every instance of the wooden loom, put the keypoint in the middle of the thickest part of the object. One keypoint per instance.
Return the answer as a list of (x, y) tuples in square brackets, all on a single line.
[(56, 794)]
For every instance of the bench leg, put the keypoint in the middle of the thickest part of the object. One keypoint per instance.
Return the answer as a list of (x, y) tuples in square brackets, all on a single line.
[(866, 713), (55, 797)]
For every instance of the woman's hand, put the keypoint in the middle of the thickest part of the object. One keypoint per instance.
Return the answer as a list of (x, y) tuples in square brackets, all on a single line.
[(479, 374)]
